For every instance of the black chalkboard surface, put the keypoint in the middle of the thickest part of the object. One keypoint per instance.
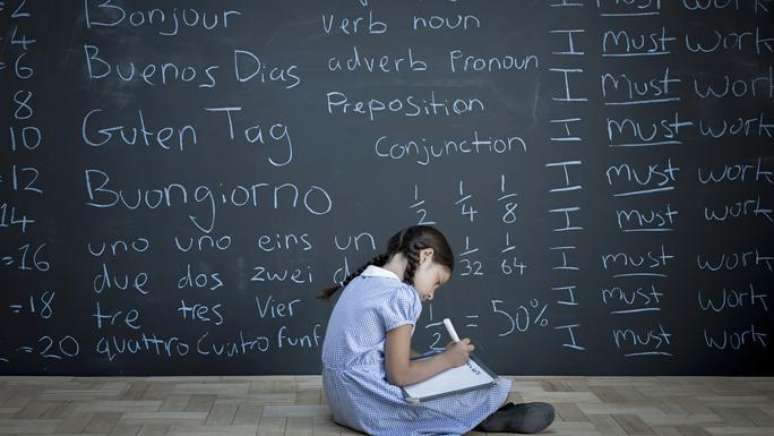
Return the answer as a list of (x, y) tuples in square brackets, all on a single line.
[(180, 179)]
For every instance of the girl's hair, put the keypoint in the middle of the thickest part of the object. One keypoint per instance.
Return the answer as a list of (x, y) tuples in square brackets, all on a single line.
[(408, 241)]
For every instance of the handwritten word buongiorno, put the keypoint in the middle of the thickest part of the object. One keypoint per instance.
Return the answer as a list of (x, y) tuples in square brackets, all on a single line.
[(101, 193)]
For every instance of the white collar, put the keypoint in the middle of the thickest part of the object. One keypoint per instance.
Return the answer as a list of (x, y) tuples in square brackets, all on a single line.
[(373, 270)]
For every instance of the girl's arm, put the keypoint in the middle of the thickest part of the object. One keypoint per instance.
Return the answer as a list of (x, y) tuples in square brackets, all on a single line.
[(402, 371)]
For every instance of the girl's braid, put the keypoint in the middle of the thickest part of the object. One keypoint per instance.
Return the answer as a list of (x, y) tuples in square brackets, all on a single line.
[(378, 260), (430, 238), (411, 252)]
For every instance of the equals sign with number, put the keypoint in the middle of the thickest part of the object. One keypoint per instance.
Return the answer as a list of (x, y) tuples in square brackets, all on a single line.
[(2, 66), (2, 6), (16, 308), (471, 316), (25, 349)]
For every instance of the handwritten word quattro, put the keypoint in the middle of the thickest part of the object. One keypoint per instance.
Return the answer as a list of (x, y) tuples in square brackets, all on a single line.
[(165, 22), (736, 339), (732, 299)]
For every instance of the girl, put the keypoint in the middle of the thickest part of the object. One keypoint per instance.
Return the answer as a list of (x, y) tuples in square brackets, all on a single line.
[(366, 350)]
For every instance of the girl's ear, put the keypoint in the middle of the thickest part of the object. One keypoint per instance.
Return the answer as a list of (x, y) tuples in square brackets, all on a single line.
[(426, 255)]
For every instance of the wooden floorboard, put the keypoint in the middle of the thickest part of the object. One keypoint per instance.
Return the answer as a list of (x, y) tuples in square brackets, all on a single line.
[(296, 405)]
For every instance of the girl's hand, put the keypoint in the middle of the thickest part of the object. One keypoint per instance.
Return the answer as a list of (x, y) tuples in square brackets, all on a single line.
[(457, 353)]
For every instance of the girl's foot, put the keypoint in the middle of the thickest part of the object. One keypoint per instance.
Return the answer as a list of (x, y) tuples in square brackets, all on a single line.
[(506, 406), (531, 417)]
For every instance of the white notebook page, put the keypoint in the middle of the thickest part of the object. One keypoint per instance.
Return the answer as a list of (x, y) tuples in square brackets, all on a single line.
[(461, 377)]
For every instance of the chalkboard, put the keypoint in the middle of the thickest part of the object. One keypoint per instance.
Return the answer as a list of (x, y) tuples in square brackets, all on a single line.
[(180, 179)]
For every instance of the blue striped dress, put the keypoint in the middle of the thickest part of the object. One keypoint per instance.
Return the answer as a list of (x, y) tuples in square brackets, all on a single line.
[(353, 372)]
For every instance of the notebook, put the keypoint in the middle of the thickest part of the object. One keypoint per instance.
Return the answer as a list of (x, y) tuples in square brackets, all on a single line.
[(472, 375)]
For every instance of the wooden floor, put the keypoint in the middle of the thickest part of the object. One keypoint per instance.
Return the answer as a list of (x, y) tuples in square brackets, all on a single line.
[(290, 405)]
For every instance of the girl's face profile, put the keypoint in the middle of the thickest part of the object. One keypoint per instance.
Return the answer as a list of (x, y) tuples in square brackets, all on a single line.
[(429, 275)]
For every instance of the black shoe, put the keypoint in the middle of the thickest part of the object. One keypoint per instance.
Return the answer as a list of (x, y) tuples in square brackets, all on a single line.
[(506, 406), (496, 422), (531, 417)]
